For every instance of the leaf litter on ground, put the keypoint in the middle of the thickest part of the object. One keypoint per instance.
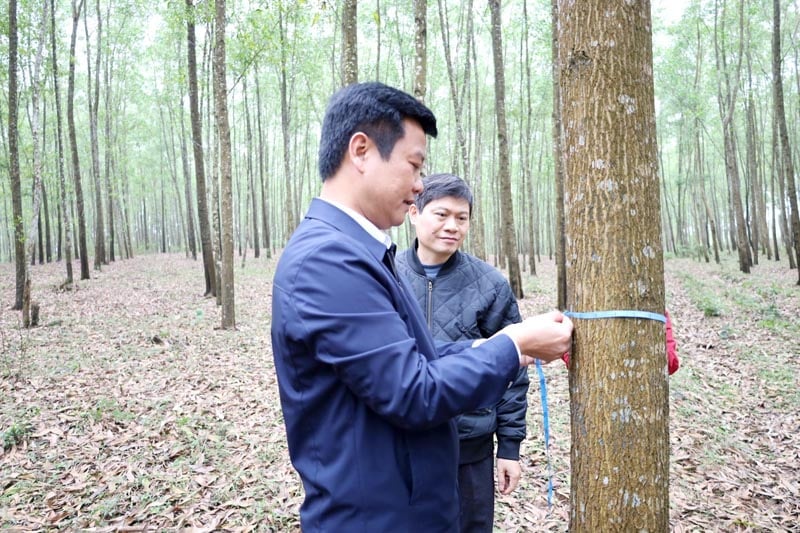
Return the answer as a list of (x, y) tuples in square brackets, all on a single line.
[(128, 409)]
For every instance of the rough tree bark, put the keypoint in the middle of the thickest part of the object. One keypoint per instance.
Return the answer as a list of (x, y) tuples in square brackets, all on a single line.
[(226, 169), (197, 146), (614, 261), (30, 314), (93, 92), (727, 107), (76, 164), (13, 156), (561, 269), (780, 116), (349, 42), (420, 48), (504, 173)]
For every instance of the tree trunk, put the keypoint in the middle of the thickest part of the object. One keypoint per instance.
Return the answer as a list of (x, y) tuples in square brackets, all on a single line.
[(476, 235), (13, 146), (29, 315), (262, 166), (558, 167), (187, 187), (420, 48), (504, 173), (286, 124), (349, 42), (780, 114), (93, 93), (197, 146), (250, 172), (45, 205), (109, 149), (614, 261), (226, 170), (727, 106), (76, 164)]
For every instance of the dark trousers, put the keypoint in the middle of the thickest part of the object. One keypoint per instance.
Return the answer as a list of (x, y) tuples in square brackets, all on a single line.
[(476, 492)]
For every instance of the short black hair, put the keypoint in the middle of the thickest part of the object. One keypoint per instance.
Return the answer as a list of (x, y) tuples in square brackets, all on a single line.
[(374, 109), (440, 186)]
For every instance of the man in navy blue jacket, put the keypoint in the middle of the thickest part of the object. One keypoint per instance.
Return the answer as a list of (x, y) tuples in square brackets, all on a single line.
[(368, 398)]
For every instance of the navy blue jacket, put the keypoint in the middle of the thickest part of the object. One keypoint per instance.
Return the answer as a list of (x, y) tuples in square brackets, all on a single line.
[(368, 398), (470, 299)]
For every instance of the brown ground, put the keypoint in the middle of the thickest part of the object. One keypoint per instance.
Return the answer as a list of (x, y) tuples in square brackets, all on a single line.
[(127, 410)]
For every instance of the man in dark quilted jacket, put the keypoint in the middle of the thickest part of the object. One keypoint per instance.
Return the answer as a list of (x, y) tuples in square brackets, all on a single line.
[(465, 298)]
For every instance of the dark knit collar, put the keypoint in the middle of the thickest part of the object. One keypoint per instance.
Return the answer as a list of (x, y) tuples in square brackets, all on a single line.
[(447, 267)]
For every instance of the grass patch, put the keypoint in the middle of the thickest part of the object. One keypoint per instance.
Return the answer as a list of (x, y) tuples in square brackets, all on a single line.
[(702, 297), (16, 434)]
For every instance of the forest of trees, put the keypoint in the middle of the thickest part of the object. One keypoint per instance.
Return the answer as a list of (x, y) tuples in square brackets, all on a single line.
[(111, 134)]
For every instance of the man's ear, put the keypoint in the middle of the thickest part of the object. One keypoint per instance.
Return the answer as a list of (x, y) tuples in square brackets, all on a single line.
[(358, 148), (412, 214)]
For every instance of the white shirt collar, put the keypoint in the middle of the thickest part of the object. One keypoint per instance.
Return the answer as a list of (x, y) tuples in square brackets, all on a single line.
[(362, 221)]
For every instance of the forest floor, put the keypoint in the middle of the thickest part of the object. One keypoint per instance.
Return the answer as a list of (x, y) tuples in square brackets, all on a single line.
[(127, 409)]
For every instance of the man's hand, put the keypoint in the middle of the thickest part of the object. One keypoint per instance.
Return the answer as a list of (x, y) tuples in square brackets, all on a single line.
[(546, 337), (508, 474)]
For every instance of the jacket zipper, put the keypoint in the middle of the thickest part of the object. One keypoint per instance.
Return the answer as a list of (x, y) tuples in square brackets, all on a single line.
[(429, 311)]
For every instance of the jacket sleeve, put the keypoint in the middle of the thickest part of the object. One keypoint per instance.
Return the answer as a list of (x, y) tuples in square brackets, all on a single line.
[(513, 406), (511, 417), (342, 308), (502, 310)]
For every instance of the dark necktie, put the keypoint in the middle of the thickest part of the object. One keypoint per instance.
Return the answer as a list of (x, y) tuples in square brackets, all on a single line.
[(388, 259)]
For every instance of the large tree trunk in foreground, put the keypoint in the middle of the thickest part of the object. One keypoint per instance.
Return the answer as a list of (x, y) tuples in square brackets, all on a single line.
[(614, 261)]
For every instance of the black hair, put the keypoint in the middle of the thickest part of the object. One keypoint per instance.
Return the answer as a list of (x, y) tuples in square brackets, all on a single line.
[(373, 108), (440, 186)]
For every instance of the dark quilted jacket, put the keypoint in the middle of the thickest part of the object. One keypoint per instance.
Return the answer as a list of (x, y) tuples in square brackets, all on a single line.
[(470, 299)]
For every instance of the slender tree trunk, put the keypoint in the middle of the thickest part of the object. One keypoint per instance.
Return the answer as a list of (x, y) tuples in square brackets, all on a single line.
[(197, 146), (558, 167), (46, 207), (76, 164), (93, 92), (263, 164), (250, 172), (291, 222), (780, 114), (30, 313), (187, 186), (349, 42), (727, 106), (504, 174), (476, 235), (109, 150), (618, 380), (420, 48), (13, 148), (776, 174), (525, 144)]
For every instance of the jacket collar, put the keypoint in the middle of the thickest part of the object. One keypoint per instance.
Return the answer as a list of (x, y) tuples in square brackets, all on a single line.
[(447, 267), (334, 216)]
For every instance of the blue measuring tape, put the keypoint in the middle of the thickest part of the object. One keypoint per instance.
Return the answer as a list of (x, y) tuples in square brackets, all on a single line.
[(647, 315), (546, 427), (618, 314)]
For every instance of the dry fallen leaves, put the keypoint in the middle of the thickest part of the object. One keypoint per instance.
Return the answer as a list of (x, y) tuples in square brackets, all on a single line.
[(144, 417)]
